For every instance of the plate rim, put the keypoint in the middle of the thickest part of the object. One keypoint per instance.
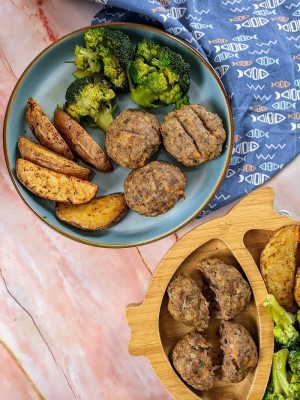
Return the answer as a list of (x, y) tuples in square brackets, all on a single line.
[(115, 25)]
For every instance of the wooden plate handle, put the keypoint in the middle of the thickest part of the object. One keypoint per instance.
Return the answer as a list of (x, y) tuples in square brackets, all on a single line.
[(141, 328)]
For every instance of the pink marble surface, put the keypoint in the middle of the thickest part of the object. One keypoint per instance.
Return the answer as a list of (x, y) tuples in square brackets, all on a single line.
[(63, 331)]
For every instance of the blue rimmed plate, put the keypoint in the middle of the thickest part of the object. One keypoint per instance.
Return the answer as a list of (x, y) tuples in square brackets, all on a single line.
[(46, 80)]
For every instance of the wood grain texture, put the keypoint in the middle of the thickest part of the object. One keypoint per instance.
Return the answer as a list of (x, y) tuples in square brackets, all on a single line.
[(236, 238), (77, 294)]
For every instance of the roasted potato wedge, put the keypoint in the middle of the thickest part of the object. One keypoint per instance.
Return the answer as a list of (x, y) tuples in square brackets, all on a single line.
[(81, 143), (297, 287), (44, 157), (278, 264), (54, 186), (99, 214), (44, 131)]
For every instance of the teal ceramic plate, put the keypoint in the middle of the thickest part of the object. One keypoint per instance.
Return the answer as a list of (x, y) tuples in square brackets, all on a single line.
[(46, 80)]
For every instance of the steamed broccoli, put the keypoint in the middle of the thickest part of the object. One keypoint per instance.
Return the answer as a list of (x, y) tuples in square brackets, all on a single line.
[(87, 62), (270, 395), (283, 384), (158, 76), (91, 97), (284, 331), (294, 360), (294, 388), (104, 51)]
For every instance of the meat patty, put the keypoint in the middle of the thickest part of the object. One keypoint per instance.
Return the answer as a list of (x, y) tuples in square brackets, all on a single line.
[(132, 138), (239, 351), (187, 303), (228, 290), (192, 361), (193, 135), (154, 188)]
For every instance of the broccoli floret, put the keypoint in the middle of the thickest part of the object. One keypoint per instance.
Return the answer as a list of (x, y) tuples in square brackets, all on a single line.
[(294, 388), (182, 102), (270, 395), (87, 62), (278, 387), (107, 51), (294, 360), (158, 76), (284, 331), (148, 50), (279, 372), (91, 97)]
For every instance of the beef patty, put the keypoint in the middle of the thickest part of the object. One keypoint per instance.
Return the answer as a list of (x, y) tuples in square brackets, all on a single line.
[(154, 188), (132, 138), (239, 351), (228, 291), (187, 303), (193, 135), (191, 359)]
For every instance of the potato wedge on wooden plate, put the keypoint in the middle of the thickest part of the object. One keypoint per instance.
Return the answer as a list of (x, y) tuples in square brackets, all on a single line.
[(297, 287), (278, 264), (99, 214), (54, 186), (44, 157), (44, 130), (81, 143)]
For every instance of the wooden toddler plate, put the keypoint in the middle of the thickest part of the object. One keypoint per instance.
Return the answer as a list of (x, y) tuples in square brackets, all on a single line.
[(238, 239)]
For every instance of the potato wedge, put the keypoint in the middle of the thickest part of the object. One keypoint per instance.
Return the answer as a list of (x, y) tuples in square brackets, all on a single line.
[(297, 287), (278, 264), (54, 186), (44, 131), (81, 143), (44, 157), (99, 214)]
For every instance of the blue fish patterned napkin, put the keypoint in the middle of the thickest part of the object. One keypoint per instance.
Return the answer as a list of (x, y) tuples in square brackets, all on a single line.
[(255, 48)]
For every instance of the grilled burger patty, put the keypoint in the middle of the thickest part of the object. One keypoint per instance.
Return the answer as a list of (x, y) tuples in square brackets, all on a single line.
[(239, 351), (228, 290), (187, 303), (191, 359), (132, 138), (193, 135), (154, 188)]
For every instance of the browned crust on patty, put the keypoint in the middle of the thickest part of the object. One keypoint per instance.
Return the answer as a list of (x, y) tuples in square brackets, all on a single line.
[(239, 351), (154, 188), (193, 135), (229, 291), (132, 138), (187, 303), (191, 359)]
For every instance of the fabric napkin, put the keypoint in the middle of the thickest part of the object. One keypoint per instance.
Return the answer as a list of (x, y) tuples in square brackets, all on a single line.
[(255, 48)]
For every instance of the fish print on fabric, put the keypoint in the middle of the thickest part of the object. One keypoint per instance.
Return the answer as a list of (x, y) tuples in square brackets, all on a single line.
[(254, 47)]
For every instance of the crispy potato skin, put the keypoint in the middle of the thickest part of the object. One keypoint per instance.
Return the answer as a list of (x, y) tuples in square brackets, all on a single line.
[(297, 287), (44, 157), (54, 186), (81, 143), (99, 214), (278, 264), (44, 130)]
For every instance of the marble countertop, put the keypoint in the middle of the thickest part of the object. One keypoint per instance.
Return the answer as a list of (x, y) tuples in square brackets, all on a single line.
[(63, 331)]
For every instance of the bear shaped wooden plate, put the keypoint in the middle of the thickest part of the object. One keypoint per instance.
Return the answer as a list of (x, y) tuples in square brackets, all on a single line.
[(238, 239)]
